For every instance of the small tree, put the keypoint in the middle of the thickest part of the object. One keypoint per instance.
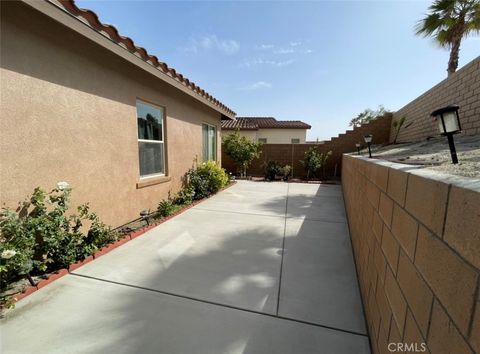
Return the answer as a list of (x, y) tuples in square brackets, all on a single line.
[(367, 116), (449, 22), (312, 162), (242, 150), (397, 125)]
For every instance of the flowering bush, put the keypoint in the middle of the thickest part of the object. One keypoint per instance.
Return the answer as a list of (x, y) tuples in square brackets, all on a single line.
[(40, 237), (206, 179)]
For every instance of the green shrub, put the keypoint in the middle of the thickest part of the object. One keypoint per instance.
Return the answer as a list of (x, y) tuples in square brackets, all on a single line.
[(271, 169), (166, 208), (40, 237), (286, 171), (185, 196), (206, 179), (311, 162), (242, 150)]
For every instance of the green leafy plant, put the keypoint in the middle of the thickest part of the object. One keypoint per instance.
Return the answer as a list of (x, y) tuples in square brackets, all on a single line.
[(286, 171), (185, 196), (397, 125), (323, 161), (39, 237), (242, 151), (315, 160), (312, 162), (271, 169), (206, 178), (166, 207)]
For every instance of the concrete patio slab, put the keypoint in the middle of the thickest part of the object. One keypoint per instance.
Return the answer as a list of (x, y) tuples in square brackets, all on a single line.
[(319, 282), (209, 281), (241, 200), (232, 259), (78, 315)]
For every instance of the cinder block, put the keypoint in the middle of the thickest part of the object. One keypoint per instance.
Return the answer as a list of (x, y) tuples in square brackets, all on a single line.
[(379, 261), (443, 337), (462, 227), (405, 228), (385, 209), (412, 333), (377, 226), (427, 200), (475, 335), (452, 280), (390, 248), (417, 293), (397, 185), (396, 300), (373, 194), (384, 307)]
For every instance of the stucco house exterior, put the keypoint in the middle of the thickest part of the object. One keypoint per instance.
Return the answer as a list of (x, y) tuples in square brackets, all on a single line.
[(268, 130), (82, 104)]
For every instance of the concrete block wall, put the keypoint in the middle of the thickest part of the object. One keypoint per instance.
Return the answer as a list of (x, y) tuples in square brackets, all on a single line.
[(462, 88), (416, 240), (292, 154)]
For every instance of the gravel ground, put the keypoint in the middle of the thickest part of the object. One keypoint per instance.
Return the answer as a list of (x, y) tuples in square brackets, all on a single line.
[(434, 154)]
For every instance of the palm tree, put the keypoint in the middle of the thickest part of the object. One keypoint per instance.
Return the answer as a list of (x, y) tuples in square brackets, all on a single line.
[(448, 22)]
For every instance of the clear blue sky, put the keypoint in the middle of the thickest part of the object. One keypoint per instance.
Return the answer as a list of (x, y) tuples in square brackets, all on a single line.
[(321, 62)]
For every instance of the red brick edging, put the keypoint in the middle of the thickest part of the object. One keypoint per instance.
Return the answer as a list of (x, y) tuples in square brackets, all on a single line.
[(61, 272)]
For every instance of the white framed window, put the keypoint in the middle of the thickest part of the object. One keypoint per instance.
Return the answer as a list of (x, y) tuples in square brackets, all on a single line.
[(209, 138), (262, 140), (151, 144), (295, 141)]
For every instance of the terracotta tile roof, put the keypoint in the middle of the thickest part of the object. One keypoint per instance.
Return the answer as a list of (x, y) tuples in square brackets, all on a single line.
[(91, 19), (255, 123)]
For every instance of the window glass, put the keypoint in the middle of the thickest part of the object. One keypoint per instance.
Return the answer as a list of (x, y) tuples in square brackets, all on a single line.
[(295, 141), (151, 158), (151, 150), (262, 140), (150, 122), (209, 137)]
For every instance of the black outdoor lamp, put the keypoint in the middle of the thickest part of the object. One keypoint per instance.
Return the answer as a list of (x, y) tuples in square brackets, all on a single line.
[(448, 124), (368, 140), (357, 145), (144, 216)]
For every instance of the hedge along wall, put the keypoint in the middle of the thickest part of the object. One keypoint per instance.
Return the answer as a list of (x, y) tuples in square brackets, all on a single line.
[(462, 88), (291, 154), (416, 242)]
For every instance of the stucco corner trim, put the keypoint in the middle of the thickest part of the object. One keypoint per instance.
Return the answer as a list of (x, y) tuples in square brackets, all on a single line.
[(152, 181)]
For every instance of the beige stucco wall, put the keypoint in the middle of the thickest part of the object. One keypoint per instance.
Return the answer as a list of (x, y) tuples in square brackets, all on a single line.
[(68, 114), (273, 136)]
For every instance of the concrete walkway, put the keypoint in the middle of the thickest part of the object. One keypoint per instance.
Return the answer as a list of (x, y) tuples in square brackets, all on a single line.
[(259, 268)]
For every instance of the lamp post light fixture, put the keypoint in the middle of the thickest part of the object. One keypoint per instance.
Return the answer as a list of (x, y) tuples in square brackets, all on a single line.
[(357, 145), (448, 124), (144, 216), (368, 140)]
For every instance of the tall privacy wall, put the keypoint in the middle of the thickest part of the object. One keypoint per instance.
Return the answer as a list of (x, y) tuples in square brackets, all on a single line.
[(416, 242), (292, 154), (462, 88)]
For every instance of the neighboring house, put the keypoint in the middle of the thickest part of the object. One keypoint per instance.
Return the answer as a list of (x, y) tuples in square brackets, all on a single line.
[(268, 130), (82, 104)]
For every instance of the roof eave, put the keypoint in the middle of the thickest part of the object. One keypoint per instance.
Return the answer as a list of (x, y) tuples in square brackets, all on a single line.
[(55, 10)]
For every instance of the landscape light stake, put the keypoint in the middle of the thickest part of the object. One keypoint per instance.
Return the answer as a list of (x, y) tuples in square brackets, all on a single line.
[(144, 216), (368, 140), (357, 145), (448, 124)]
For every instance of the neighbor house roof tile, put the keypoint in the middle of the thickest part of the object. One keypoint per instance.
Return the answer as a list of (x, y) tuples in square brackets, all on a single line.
[(255, 123)]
